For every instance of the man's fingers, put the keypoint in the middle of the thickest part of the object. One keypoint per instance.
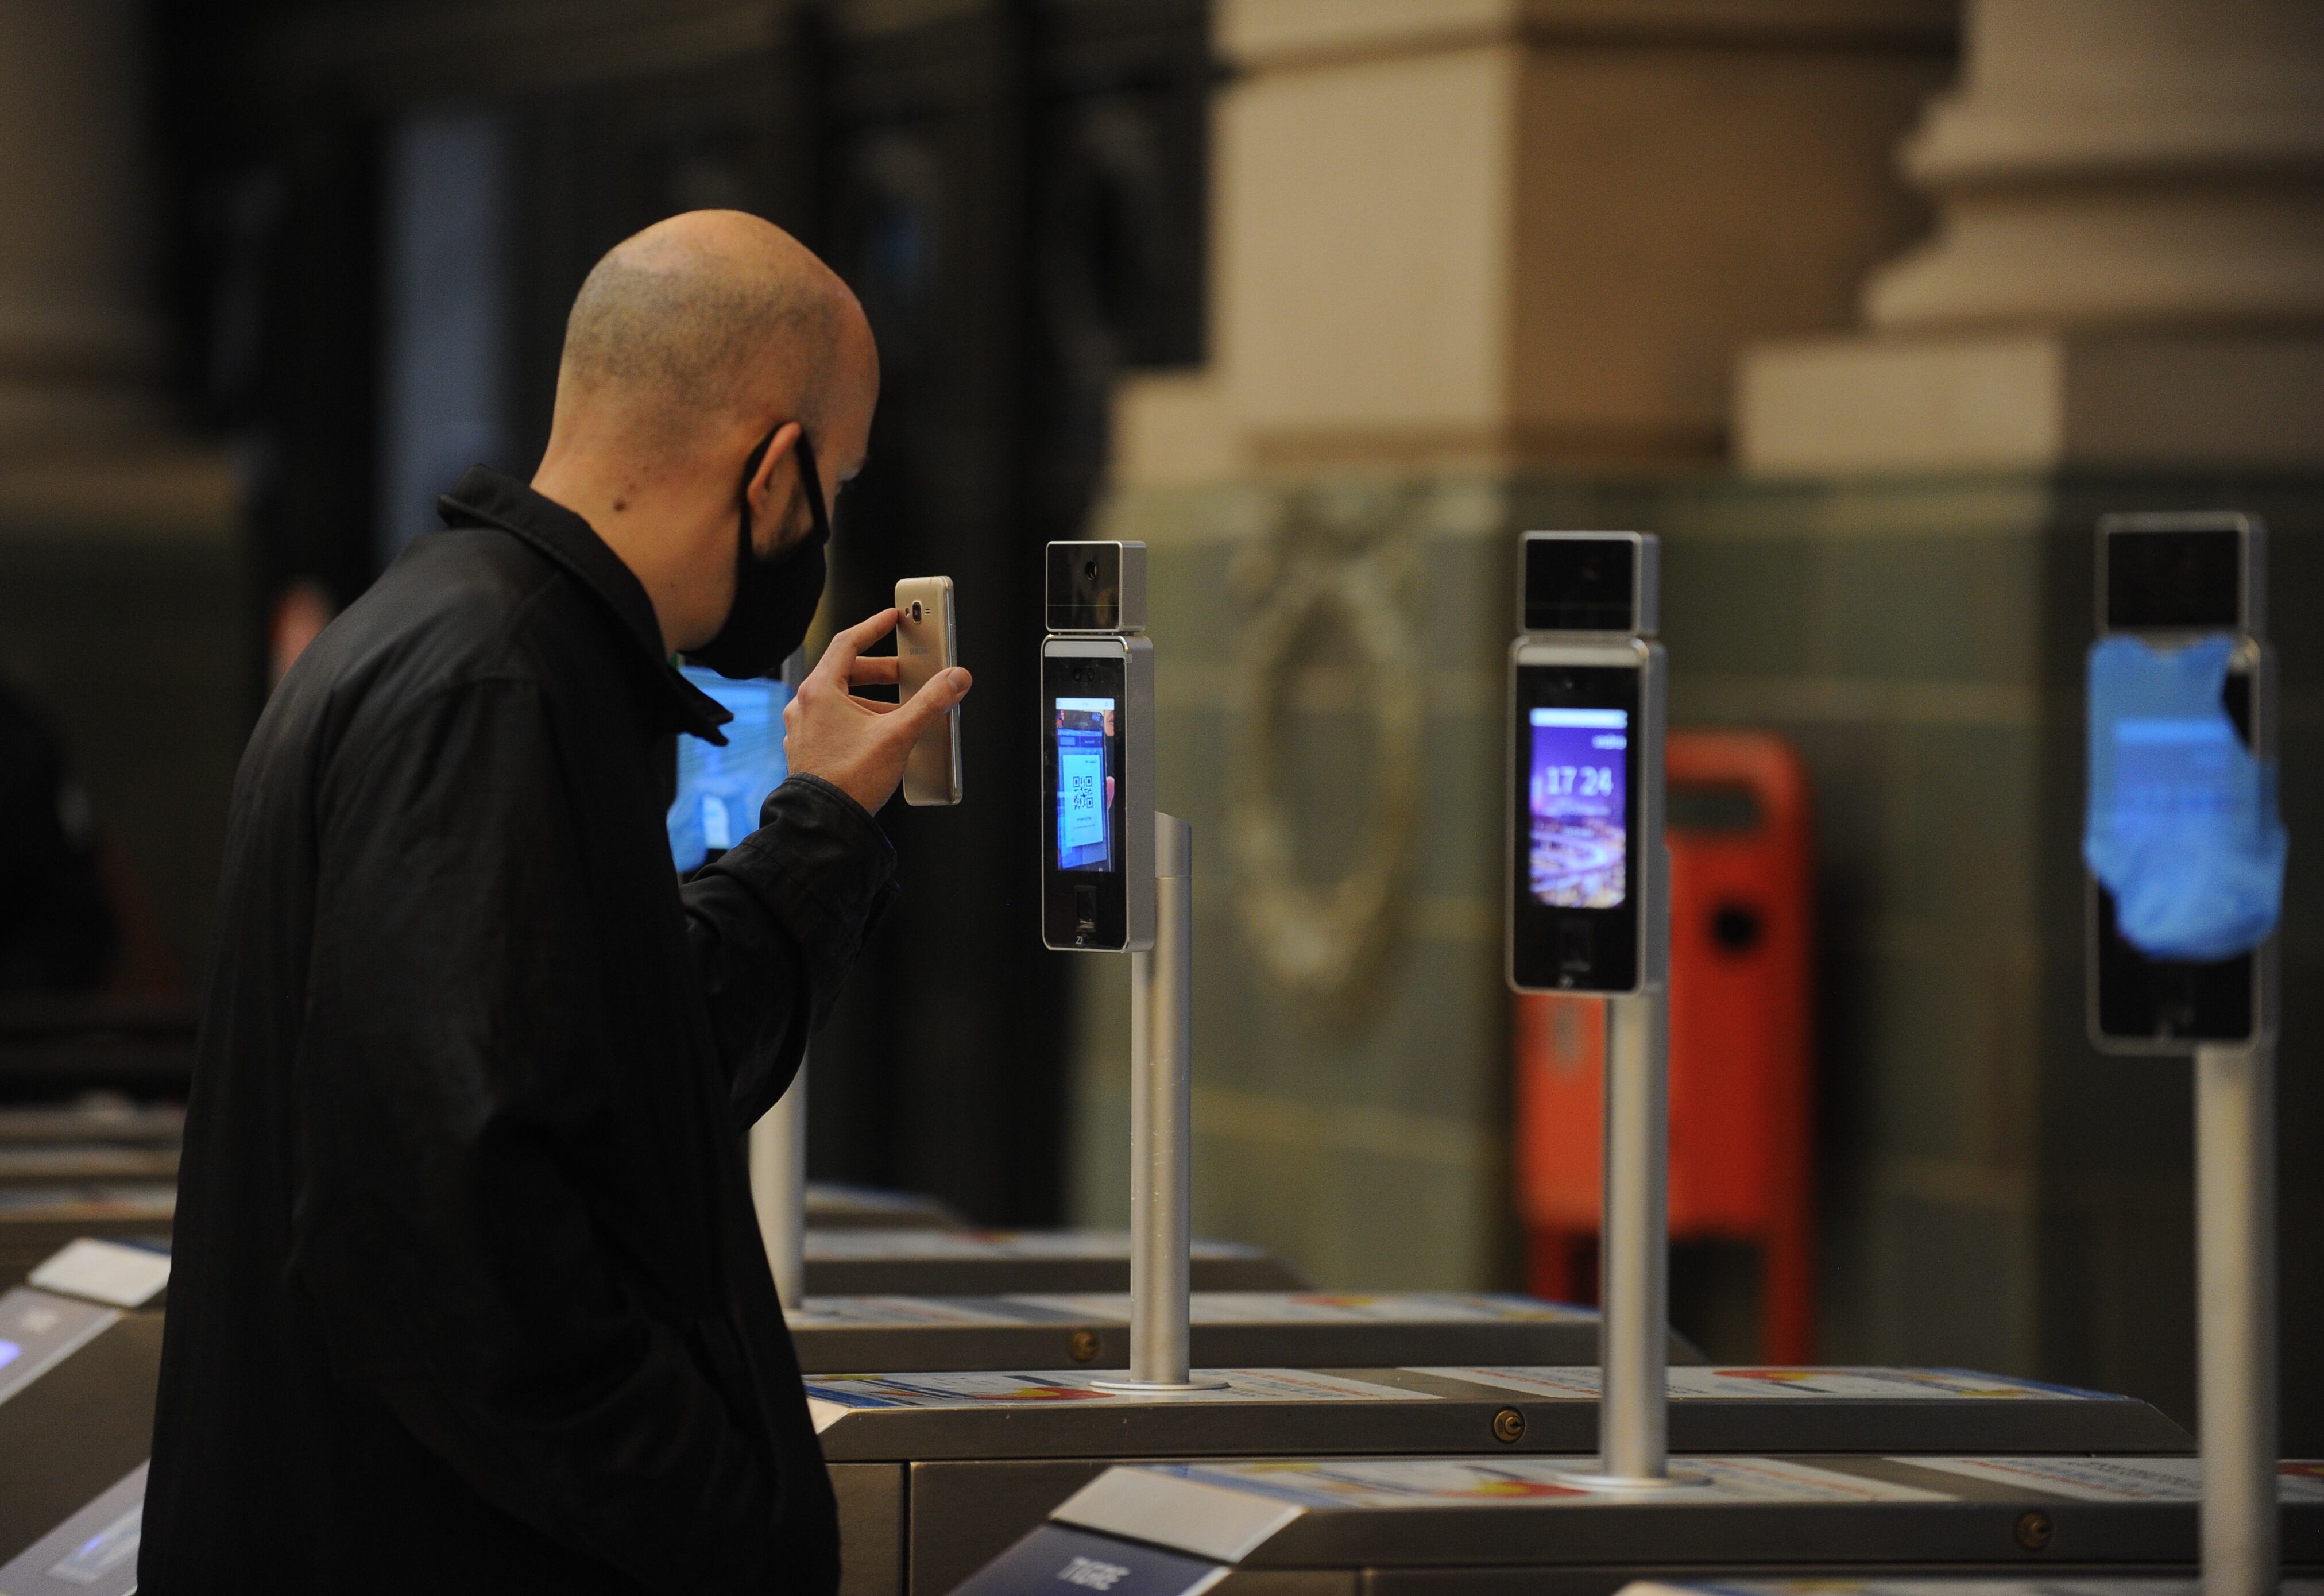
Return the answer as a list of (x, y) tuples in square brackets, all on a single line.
[(872, 671), (839, 655), (944, 689)]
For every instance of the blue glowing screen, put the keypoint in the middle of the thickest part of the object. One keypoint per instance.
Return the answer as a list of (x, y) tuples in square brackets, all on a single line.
[(720, 790)]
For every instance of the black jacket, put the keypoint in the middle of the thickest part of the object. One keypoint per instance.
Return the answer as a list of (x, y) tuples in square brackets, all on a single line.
[(468, 1293)]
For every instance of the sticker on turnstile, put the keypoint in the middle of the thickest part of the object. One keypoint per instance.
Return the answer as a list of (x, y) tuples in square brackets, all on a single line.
[(1056, 1561), (1334, 1307), (94, 1553), (852, 1246), (831, 1397), (37, 1331), (1833, 1384), (1405, 1483), (2116, 1479)]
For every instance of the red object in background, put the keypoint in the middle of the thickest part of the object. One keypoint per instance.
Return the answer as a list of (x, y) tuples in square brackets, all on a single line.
[(1741, 892)]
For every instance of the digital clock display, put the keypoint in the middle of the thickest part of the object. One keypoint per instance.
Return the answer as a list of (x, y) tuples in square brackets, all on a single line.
[(1575, 795)]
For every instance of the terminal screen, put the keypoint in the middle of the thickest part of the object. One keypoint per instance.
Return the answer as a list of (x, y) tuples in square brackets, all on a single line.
[(1576, 798), (1088, 764), (720, 789)]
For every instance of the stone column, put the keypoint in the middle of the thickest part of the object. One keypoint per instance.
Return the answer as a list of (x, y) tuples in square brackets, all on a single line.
[(80, 345), (2129, 262), (123, 609)]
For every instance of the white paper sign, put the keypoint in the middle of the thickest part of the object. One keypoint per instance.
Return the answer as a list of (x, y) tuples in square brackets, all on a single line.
[(105, 1271)]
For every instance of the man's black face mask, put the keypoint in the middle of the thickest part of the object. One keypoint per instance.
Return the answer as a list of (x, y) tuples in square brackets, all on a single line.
[(775, 597)]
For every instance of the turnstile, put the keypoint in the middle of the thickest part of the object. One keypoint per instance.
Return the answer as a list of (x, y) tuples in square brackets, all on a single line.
[(78, 1379), (35, 1221), (1419, 1527), (834, 1207), (1230, 1328), (93, 1553), (871, 1262), (1938, 1587), (938, 1472)]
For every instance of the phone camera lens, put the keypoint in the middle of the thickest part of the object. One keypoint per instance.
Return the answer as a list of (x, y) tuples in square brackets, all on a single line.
[(1089, 569), (916, 609)]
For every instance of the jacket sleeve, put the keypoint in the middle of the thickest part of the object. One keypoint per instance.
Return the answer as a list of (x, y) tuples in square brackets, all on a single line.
[(454, 1100), (776, 922)]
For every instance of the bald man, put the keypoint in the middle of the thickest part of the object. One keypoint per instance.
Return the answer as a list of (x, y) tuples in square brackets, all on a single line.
[(468, 1294)]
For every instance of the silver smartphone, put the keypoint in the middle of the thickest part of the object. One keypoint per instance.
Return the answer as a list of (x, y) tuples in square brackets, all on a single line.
[(925, 643)]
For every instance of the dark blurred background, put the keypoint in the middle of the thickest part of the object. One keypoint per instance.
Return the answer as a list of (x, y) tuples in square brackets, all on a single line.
[(377, 214)]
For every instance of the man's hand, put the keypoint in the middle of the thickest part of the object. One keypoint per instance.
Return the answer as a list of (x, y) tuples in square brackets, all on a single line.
[(857, 745)]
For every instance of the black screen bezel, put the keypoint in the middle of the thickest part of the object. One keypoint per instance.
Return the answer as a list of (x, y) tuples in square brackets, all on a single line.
[(2175, 1001), (1539, 956), (1084, 676)]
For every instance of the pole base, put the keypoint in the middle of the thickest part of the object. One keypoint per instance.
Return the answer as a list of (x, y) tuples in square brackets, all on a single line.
[(1192, 1382), (1676, 1480)]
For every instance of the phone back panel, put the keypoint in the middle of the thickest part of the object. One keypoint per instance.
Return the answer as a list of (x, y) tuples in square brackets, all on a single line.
[(925, 643)]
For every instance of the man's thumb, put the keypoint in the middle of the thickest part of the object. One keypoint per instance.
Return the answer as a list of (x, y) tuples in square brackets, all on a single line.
[(939, 693)]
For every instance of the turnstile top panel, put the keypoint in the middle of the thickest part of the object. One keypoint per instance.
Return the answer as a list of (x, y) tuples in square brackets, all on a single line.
[(94, 1553), (928, 1417), (1801, 1383), (1242, 1329), (831, 1203), (42, 1204), (874, 1245), (1208, 1307), (1943, 1587), (38, 1330), (1440, 1512)]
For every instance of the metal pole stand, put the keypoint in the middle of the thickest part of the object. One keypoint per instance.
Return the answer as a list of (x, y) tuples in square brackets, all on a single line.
[(1161, 1126), (1634, 1252), (778, 1188), (2235, 1228)]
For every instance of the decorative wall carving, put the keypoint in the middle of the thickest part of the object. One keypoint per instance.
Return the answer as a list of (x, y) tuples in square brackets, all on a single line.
[(1325, 569)]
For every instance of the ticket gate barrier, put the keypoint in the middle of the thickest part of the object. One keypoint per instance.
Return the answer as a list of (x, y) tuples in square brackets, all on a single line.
[(1937, 1587), (937, 1473), (79, 1365), (1230, 1328), (1422, 1527), (93, 1553), (36, 1220), (835, 1206), (990, 1263)]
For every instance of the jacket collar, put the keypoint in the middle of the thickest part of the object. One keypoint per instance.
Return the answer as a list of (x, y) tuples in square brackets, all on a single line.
[(486, 496)]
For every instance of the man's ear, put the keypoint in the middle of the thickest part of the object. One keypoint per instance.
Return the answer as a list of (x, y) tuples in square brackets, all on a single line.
[(775, 493)]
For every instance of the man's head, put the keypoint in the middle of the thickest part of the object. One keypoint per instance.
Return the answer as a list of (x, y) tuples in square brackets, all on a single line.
[(687, 346)]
